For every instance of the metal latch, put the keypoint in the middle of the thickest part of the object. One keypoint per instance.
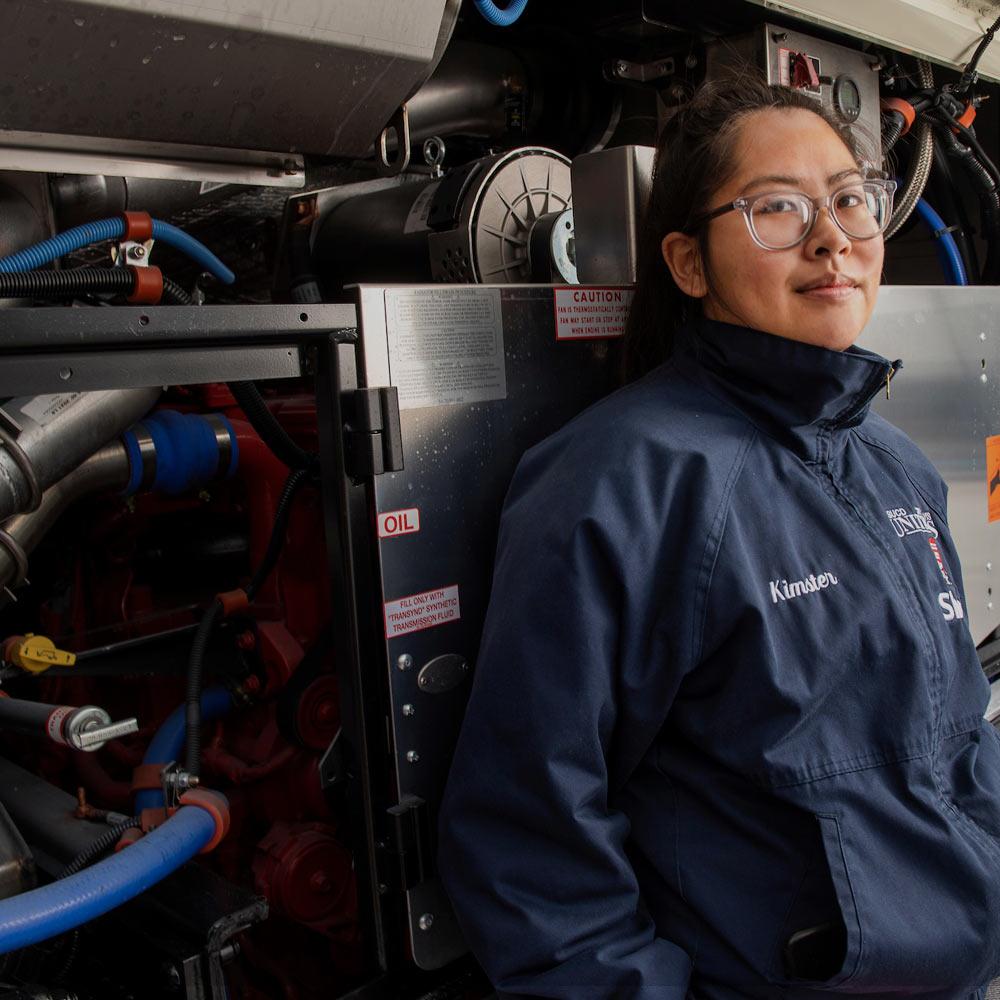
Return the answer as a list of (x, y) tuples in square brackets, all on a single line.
[(411, 847), (372, 440)]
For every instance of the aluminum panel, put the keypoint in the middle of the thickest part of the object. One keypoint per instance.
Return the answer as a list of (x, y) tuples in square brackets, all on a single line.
[(947, 398), (459, 458)]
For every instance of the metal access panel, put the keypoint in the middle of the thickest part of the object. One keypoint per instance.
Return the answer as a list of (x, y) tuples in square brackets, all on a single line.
[(843, 80), (303, 76), (947, 399), (481, 376)]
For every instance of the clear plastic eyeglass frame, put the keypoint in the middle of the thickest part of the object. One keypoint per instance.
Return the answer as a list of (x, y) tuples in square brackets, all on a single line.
[(883, 188)]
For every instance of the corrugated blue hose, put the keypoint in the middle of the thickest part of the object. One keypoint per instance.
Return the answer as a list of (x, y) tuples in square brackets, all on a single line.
[(111, 229), (53, 909), (502, 17)]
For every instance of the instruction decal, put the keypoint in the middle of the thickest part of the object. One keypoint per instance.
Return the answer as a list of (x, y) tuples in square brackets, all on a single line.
[(591, 313), (416, 612), (44, 409), (398, 522), (445, 345), (993, 478)]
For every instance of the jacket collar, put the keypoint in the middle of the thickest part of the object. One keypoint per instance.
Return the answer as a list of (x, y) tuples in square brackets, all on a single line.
[(799, 393)]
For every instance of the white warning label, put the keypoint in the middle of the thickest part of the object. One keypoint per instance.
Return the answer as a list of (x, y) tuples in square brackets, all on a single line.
[(420, 611), (587, 313), (445, 345), (44, 409)]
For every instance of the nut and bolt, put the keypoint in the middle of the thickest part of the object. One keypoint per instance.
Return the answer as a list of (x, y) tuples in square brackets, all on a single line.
[(426, 921), (137, 252), (405, 661), (621, 67)]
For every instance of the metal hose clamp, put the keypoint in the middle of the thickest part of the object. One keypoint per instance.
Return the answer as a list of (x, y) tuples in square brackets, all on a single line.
[(23, 463)]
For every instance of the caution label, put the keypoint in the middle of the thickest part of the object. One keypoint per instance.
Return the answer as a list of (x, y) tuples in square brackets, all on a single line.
[(398, 522), (591, 313), (419, 611), (993, 478)]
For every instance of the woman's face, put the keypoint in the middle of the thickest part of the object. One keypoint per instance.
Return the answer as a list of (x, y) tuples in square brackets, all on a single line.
[(775, 290)]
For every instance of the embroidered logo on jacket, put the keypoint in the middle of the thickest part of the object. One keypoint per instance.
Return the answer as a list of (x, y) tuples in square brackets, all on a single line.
[(788, 590), (912, 522), (948, 601)]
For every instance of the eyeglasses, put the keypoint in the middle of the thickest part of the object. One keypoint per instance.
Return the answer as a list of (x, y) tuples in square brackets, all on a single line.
[(780, 220)]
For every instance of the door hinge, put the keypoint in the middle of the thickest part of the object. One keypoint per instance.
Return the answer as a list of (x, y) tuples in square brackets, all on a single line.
[(373, 443)]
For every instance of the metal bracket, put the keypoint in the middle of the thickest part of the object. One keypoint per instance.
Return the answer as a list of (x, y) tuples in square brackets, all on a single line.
[(410, 850), (373, 442), (400, 124), (634, 72)]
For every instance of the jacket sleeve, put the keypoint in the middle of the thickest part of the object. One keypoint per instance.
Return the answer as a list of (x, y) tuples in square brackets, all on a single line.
[(531, 852)]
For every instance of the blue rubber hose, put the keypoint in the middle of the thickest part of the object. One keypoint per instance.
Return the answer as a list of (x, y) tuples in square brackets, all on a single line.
[(947, 248), (502, 17), (110, 229), (53, 909), (195, 249), (168, 743)]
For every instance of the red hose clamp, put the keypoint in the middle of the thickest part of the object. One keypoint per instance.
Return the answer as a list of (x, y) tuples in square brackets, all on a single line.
[(233, 602), (128, 838), (216, 805), (968, 117), (902, 107), (138, 226), (147, 777), (148, 288), (150, 819)]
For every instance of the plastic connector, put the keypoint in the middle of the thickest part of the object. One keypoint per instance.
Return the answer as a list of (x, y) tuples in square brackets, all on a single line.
[(36, 653)]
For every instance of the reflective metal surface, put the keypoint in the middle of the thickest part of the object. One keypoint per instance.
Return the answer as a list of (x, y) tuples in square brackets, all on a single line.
[(947, 399), (458, 461)]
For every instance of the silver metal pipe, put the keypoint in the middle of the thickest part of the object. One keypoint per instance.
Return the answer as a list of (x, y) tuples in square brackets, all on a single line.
[(921, 161), (46, 437), (107, 468)]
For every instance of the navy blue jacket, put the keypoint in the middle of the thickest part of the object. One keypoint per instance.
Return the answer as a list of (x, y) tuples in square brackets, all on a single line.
[(726, 692)]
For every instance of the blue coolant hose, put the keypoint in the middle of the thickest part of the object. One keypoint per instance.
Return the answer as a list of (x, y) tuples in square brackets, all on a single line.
[(502, 17), (53, 909), (111, 229), (168, 743), (948, 252)]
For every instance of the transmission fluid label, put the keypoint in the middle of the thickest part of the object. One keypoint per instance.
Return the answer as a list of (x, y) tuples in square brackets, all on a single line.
[(416, 612), (584, 313)]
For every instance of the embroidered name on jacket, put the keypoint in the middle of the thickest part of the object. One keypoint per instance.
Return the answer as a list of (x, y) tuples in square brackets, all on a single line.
[(788, 590)]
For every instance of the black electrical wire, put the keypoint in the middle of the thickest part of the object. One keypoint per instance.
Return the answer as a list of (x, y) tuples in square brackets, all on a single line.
[(173, 294), (968, 77), (81, 281), (94, 850), (949, 202), (277, 539), (985, 185), (192, 701), (267, 427), (196, 660)]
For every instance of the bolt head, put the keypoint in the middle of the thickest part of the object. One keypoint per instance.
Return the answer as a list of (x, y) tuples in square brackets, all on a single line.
[(409, 711), (405, 661), (137, 252), (426, 921), (412, 756)]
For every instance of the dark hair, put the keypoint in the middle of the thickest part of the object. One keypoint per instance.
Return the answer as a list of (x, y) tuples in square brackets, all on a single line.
[(694, 158)]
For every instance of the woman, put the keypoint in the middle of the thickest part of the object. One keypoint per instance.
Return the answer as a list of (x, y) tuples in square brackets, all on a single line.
[(726, 735)]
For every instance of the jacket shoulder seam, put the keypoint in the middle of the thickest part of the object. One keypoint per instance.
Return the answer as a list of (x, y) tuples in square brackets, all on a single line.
[(884, 447), (713, 543)]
